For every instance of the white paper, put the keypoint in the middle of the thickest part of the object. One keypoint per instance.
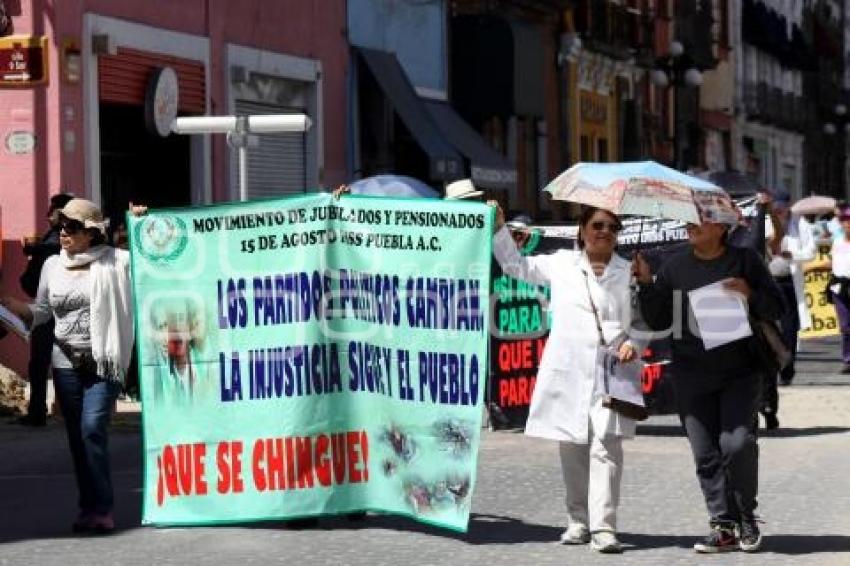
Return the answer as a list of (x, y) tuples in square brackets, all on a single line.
[(11, 320), (720, 314), (623, 379)]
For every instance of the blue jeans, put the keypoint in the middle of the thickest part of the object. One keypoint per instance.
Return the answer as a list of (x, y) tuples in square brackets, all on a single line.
[(86, 401)]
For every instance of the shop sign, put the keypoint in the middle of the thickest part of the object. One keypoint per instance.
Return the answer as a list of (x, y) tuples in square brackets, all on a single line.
[(23, 60), (20, 142)]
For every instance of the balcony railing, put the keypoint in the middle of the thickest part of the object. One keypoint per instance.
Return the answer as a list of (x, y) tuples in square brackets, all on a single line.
[(751, 102), (763, 97), (788, 119), (614, 30), (802, 113), (774, 106)]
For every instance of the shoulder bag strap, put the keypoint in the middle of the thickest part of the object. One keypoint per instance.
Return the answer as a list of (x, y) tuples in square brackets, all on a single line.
[(602, 344), (594, 309)]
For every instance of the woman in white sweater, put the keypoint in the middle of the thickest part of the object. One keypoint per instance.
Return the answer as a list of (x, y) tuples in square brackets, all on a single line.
[(567, 402), (86, 290)]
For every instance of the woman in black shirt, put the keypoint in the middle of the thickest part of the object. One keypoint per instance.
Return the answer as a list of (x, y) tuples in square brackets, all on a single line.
[(717, 389)]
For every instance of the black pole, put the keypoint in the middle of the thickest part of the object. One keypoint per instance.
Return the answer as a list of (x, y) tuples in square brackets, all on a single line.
[(677, 133)]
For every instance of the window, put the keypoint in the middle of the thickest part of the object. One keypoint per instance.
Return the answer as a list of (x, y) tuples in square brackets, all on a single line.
[(585, 150), (602, 150)]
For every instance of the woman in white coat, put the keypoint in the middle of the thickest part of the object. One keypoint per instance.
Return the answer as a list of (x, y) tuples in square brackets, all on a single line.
[(567, 402), (786, 260)]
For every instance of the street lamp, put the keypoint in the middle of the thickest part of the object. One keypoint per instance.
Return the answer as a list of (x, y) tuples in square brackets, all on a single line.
[(239, 130), (676, 70)]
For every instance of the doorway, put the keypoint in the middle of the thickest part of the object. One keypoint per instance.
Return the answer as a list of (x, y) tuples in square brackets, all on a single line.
[(138, 166)]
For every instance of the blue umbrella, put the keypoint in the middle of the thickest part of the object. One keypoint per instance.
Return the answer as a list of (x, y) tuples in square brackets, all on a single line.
[(392, 186)]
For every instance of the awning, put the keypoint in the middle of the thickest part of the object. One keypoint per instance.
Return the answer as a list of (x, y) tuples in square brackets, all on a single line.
[(489, 168), (445, 162)]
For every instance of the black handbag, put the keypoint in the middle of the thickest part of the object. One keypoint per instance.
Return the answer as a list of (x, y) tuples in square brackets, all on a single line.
[(842, 284), (81, 360), (767, 346)]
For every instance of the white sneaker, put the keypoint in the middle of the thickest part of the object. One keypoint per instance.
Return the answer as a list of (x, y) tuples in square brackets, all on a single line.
[(575, 534), (606, 542)]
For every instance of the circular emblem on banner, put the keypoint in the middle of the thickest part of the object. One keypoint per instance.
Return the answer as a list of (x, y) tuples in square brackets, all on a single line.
[(162, 100), (161, 238)]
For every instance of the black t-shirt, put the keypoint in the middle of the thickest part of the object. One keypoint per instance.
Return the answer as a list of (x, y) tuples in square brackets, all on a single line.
[(46, 247), (666, 301)]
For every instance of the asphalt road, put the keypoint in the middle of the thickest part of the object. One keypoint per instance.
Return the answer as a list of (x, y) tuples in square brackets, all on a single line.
[(517, 508)]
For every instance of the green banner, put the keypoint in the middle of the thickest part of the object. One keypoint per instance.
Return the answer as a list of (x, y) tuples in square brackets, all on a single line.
[(310, 356)]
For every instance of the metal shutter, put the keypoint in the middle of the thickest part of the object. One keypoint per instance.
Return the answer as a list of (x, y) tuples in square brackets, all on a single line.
[(123, 78), (278, 166)]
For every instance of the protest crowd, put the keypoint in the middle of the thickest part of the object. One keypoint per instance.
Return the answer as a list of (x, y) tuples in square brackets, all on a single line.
[(319, 253), (605, 309)]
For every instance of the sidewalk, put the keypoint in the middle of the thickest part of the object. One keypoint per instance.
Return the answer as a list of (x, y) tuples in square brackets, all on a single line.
[(819, 362)]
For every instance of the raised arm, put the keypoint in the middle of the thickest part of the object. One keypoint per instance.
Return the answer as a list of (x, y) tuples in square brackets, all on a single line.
[(802, 246), (532, 269), (655, 296), (765, 299)]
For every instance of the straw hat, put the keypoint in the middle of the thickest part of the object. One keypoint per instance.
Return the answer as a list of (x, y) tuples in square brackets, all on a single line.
[(87, 213), (462, 189)]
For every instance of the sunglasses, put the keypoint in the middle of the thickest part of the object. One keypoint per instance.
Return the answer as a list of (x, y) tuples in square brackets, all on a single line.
[(600, 225), (71, 227)]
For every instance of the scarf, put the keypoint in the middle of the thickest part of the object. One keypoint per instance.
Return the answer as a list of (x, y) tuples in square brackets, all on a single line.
[(111, 306)]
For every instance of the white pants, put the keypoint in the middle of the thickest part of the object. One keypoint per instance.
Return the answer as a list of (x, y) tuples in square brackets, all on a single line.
[(592, 474)]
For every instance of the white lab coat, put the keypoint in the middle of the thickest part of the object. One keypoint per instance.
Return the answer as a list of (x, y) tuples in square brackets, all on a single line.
[(566, 395), (800, 242)]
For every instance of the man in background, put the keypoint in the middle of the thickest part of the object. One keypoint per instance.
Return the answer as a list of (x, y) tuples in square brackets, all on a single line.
[(41, 337)]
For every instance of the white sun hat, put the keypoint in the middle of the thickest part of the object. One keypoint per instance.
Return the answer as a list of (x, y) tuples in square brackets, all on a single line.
[(462, 189)]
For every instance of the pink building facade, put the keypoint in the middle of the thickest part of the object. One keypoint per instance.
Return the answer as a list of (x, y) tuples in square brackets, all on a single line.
[(88, 119)]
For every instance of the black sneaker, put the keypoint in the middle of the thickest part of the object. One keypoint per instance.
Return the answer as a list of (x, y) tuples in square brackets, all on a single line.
[(771, 422), (750, 540), (721, 539)]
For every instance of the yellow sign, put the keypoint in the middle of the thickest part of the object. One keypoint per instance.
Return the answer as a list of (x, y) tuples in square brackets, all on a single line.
[(824, 319)]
